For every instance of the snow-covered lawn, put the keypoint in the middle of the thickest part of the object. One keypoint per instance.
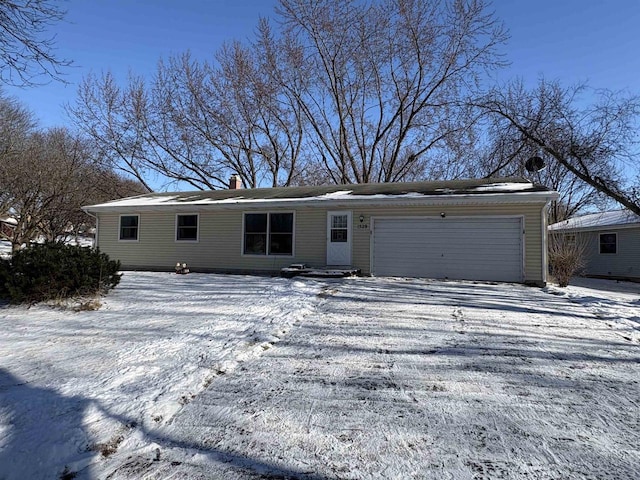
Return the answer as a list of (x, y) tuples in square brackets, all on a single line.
[(213, 376), (5, 249)]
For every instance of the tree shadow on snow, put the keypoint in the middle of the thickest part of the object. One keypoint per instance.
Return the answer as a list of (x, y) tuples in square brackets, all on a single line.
[(42, 431)]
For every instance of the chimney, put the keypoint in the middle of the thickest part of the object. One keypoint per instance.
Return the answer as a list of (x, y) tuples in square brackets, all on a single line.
[(234, 182)]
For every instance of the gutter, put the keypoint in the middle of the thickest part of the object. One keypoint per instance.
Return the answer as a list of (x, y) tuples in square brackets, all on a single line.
[(364, 200)]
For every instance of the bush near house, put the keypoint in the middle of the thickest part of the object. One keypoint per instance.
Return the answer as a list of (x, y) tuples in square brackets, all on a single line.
[(566, 257), (56, 271)]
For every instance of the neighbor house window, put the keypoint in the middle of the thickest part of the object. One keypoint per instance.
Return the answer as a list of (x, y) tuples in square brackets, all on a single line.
[(608, 243), (129, 227), (187, 228), (268, 234)]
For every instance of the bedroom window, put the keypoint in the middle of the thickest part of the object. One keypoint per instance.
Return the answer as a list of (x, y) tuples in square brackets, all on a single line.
[(129, 227), (187, 228), (268, 234), (608, 243)]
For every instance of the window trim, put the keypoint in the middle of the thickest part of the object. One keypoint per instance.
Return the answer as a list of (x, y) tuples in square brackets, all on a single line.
[(128, 240), (267, 254), (600, 234), (187, 240)]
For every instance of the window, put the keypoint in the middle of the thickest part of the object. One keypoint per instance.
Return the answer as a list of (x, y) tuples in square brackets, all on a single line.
[(129, 227), (339, 228), (255, 233), (608, 243), (187, 228), (268, 234)]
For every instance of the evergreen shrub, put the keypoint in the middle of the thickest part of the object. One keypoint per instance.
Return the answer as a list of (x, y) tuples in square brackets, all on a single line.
[(56, 271)]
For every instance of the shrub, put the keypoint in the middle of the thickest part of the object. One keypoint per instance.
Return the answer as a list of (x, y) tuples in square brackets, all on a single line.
[(566, 256), (56, 271)]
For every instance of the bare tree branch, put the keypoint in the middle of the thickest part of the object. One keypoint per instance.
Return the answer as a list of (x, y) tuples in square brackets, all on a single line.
[(27, 54)]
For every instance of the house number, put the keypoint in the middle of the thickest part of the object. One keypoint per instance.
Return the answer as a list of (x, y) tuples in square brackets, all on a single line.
[(363, 226)]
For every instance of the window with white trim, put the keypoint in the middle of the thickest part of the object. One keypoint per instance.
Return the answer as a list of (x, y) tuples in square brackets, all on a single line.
[(129, 227), (608, 243), (268, 234), (339, 228), (187, 228)]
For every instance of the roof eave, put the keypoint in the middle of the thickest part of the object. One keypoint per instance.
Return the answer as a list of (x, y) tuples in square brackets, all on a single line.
[(596, 228), (355, 200)]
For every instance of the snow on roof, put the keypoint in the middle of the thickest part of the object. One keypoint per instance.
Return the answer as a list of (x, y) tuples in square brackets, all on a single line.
[(367, 191), (597, 220)]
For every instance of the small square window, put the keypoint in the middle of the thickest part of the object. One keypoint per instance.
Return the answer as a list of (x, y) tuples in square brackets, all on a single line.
[(129, 227), (187, 228), (608, 243)]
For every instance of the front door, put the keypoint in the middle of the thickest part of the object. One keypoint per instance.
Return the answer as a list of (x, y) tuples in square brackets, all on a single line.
[(339, 238)]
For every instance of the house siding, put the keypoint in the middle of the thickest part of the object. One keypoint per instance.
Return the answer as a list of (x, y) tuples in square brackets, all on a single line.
[(623, 264), (220, 237)]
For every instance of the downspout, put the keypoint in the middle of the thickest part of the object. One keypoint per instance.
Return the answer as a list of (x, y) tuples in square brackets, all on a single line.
[(95, 240), (545, 249)]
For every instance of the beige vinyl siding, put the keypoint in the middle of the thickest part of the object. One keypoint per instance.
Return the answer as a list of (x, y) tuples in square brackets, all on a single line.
[(220, 237), (219, 246), (625, 263)]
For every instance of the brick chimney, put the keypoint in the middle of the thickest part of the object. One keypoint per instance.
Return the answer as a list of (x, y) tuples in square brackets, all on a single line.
[(234, 182)]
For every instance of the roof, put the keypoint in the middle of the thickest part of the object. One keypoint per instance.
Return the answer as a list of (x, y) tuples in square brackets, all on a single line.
[(598, 220), (355, 193)]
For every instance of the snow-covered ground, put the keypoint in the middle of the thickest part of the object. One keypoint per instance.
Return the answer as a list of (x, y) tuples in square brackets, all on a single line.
[(5, 249), (213, 376)]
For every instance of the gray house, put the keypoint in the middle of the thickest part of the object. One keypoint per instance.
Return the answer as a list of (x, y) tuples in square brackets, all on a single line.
[(488, 229), (611, 241)]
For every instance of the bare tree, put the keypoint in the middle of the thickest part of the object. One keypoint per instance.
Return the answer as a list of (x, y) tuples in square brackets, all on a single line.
[(381, 83), (591, 148), (26, 52), (16, 124), (45, 182), (111, 117), (505, 154), (196, 122), (344, 92)]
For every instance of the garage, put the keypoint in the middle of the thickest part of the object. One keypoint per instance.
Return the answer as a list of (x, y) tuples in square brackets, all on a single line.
[(469, 248)]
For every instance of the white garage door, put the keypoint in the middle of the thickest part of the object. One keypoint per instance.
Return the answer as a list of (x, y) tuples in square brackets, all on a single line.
[(479, 248)]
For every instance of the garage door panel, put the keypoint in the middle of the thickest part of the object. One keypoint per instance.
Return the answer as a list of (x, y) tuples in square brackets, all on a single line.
[(481, 248)]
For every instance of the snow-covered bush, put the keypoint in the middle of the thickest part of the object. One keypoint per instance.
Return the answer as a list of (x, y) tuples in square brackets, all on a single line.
[(56, 271)]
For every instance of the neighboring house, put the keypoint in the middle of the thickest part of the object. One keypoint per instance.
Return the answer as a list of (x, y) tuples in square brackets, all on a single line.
[(488, 229), (7, 226), (611, 241)]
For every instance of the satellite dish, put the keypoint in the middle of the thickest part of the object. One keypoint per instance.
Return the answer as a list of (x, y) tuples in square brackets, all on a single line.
[(534, 164)]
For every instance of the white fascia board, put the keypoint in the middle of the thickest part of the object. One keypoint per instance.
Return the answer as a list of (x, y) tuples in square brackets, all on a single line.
[(594, 228), (349, 202)]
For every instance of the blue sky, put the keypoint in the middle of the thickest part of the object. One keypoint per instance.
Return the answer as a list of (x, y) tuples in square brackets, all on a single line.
[(569, 40)]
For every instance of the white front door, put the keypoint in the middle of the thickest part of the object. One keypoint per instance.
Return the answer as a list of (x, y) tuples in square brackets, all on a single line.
[(339, 238)]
